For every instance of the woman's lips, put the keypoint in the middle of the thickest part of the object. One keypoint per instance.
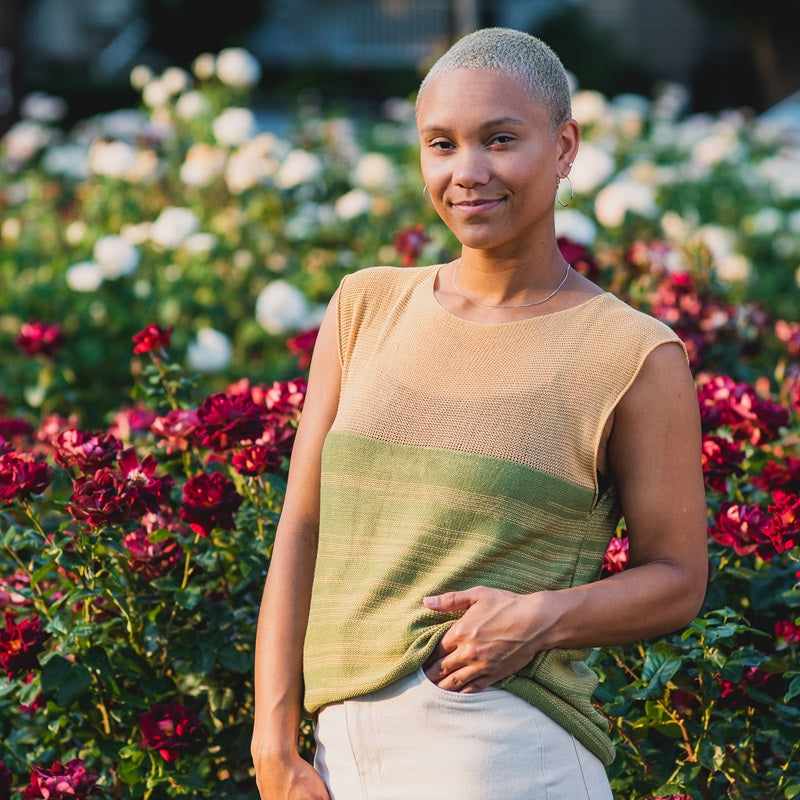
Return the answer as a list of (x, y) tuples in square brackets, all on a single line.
[(479, 206)]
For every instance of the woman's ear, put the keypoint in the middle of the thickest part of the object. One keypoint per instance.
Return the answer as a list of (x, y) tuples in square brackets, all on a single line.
[(568, 139)]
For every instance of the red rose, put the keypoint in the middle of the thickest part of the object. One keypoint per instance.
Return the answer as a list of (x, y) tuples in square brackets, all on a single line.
[(103, 499), (409, 243), (224, 421), (578, 257), (9, 590), (209, 501), (302, 346), (783, 528), (177, 429), (733, 694), (789, 334), (743, 527), (40, 339), (616, 557), (788, 630), (86, 450), (171, 730), (68, 781), (140, 480), (721, 459), (130, 423), (285, 400), (783, 474), (21, 475), (20, 644), (152, 559), (52, 426), (13, 429), (153, 337), (723, 402), (257, 460)]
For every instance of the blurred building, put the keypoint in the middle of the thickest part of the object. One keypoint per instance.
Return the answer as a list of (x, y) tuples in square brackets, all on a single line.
[(612, 44)]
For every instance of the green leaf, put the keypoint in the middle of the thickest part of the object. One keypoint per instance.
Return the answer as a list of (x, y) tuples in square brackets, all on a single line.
[(236, 660), (64, 681), (791, 791), (793, 691), (660, 667)]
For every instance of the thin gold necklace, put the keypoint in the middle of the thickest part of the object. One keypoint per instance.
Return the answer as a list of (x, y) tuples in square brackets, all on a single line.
[(504, 305)]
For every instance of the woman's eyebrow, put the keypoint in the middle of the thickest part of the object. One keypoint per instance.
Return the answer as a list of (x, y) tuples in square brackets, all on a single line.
[(492, 123)]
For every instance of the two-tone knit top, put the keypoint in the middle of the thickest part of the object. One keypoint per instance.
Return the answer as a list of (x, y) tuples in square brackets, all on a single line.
[(463, 454)]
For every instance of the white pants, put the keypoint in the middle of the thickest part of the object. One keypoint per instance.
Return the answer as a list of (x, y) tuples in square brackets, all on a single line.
[(415, 741)]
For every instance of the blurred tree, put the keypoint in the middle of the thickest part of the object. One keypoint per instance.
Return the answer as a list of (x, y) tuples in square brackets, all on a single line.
[(771, 37), (9, 79), (183, 28)]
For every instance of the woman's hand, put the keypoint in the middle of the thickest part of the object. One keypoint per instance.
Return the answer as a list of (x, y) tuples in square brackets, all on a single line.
[(288, 778), (494, 638)]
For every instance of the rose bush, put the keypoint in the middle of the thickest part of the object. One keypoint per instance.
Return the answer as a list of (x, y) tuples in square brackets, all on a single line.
[(163, 274)]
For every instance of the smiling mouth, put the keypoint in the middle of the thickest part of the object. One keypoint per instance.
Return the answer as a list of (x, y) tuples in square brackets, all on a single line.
[(479, 204)]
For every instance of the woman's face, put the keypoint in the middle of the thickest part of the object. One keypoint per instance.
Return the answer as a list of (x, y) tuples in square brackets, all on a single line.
[(491, 159)]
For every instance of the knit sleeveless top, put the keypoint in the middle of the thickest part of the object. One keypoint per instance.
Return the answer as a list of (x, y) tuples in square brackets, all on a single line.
[(463, 454)]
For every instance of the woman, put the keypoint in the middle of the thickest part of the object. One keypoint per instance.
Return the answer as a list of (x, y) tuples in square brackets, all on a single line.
[(472, 433)]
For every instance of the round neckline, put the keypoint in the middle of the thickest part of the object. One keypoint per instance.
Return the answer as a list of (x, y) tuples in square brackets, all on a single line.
[(430, 296)]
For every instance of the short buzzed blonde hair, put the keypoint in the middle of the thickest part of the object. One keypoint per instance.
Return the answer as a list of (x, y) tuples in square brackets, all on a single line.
[(522, 56)]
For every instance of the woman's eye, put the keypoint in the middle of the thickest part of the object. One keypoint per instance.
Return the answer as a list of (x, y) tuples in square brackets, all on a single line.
[(501, 138), (441, 144)]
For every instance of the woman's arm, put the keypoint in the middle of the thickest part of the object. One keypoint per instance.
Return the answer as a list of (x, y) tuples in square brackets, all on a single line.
[(654, 455), (280, 771)]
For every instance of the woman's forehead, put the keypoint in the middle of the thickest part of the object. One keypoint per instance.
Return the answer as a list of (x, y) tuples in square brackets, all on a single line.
[(460, 94)]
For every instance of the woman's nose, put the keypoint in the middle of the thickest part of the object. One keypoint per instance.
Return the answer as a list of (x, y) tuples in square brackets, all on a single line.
[(470, 168)]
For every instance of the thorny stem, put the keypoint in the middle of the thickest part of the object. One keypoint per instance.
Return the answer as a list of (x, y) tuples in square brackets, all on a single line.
[(34, 520), (165, 381), (785, 768)]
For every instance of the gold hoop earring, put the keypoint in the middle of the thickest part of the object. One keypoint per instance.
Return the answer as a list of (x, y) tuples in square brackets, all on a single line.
[(571, 193), (426, 195)]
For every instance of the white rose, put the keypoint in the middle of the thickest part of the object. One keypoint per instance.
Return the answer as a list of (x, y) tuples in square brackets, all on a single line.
[(719, 241), (116, 256), (575, 226), (175, 80), (588, 106), (136, 233), (140, 76), (200, 243), (191, 105), (375, 172), (733, 268), (614, 201), (155, 94), (765, 222), (252, 163), (85, 276), (173, 226), (43, 107), (593, 167), (238, 68), (67, 160), (210, 351), (112, 159), (23, 140), (353, 204), (234, 126), (203, 163), (298, 167), (75, 231), (204, 66), (281, 307)]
